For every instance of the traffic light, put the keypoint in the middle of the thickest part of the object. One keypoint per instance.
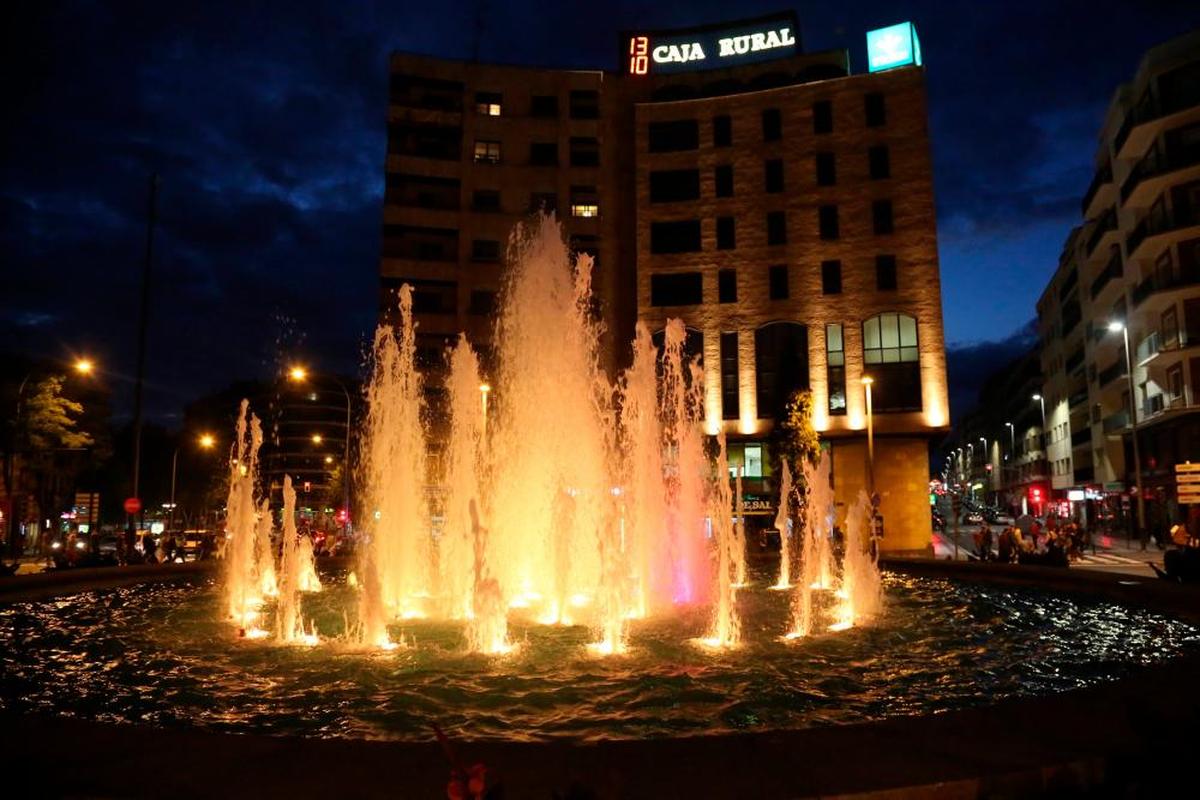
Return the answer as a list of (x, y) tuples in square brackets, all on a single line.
[(1035, 495)]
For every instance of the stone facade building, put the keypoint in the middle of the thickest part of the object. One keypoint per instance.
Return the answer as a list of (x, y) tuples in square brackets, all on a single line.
[(779, 205)]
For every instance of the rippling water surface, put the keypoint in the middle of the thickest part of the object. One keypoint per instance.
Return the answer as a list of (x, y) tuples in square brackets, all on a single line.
[(158, 655)]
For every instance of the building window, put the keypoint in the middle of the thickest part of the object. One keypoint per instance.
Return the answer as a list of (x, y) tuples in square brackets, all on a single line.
[(876, 111), (487, 104), (485, 250), (487, 152), (722, 131), (485, 200), (727, 286), (772, 125), (1170, 329), (544, 202), (835, 369), (543, 154), (822, 116), (585, 104), (881, 216), (676, 289), (828, 222), (778, 282), (585, 151), (673, 136), (483, 302), (543, 105), (891, 357), (880, 162), (730, 408), (723, 176), (681, 236), (773, 175), (1175, 383), (776, 227), (885, 273), (781, 365), (831, 277), (725, 234), (826, 169), (584, 201), (674, 185)]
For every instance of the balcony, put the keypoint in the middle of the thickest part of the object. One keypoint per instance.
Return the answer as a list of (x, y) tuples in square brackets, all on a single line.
[(1074, 360), (1081, 438), (1165, 281), (1105, 225), (1145, 239), (1113, 269), (1116, 423), (1144, 182), (1145, 121), (1101, 180), (1077, 398), (1113, 372)]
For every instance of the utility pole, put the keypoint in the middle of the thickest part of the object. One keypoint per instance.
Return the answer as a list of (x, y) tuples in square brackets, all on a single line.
[(143, 324)]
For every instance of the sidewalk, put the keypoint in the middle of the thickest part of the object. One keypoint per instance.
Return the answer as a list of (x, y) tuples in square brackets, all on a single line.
[(1112, 555)]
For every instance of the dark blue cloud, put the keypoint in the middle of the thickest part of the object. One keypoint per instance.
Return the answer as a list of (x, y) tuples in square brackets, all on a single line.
[(266, 122)]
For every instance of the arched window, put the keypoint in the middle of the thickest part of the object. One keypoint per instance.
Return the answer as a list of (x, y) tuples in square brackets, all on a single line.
[(781, 365), (891, 356)]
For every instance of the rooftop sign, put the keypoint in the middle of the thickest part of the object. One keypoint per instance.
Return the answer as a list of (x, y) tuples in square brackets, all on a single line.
[(710, 47), (893, 46)]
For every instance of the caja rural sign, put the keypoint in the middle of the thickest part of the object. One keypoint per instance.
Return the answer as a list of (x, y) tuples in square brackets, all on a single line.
[(710, 47)]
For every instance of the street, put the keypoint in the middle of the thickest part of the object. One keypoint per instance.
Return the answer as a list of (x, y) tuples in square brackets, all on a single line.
[(1112, 555)]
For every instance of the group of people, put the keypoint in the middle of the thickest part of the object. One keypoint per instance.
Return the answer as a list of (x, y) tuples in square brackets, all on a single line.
[(1056, 544)]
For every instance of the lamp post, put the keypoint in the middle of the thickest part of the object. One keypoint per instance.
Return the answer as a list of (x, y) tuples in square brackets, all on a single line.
[(1114, 326), (206, 442), (867, 382), (299, 374)]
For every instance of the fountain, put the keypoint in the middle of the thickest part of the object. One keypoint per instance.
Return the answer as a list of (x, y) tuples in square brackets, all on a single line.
[(549, 582), (571, 500), (783, 524)]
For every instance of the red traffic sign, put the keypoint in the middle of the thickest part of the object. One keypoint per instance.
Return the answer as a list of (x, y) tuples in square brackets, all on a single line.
[(133, 505)]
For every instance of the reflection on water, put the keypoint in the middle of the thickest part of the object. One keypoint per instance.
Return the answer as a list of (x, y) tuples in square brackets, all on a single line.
[(157, 655)]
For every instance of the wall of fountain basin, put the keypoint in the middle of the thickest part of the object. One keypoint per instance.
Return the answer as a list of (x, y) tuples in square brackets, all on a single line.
[(1118, 728)]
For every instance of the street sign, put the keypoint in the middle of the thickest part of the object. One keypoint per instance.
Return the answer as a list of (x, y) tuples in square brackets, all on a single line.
[(132, 505), (1188, 478), (1185, 468)]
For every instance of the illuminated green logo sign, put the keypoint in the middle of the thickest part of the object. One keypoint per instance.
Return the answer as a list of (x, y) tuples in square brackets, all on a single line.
[(893, 46)]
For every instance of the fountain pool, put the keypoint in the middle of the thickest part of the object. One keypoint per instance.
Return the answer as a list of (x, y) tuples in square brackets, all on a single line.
[(161, 655)]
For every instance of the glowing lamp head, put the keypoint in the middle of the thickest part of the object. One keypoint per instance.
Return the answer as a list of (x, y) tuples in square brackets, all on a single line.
[(84, 366), (1037, 397), (328, 459), (1116, 326), (207, 441), (297, 373), (317, 438), (867, 380)]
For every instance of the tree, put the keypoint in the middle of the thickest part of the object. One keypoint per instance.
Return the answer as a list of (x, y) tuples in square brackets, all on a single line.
[(50, 418), (798, 440)]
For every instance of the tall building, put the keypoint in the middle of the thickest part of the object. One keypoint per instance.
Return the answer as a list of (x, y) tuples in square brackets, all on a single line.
[(778, 204), (1134, 264)]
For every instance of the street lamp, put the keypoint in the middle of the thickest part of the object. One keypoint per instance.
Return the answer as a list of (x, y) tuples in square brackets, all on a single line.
[(205, 441), (316, 438), (867, 382), (1012, 440), (1114, 326), (298, 374)]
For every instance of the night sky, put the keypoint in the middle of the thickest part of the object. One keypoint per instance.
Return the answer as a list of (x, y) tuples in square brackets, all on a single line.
[(266, 121)]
